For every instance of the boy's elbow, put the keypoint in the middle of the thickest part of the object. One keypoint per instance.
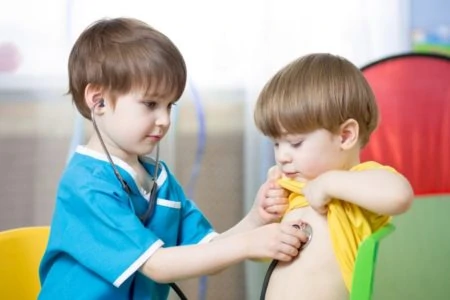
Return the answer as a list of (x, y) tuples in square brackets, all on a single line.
[(215, 272), (404, 199), (159, 275)]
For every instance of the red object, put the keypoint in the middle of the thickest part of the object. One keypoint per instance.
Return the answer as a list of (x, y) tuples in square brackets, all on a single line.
[(413, 94)]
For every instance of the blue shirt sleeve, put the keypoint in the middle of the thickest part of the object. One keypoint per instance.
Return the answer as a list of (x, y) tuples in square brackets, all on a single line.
[(194, 227)]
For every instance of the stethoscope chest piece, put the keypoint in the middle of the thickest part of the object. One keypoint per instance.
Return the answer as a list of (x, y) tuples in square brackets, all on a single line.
[(307, 230)]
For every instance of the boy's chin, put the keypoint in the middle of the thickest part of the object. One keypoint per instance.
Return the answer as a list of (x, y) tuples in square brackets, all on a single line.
[(147, 151)]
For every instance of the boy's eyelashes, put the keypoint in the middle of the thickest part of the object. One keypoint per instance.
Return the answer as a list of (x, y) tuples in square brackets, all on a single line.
[(154, 104), (295, 144), (150, 104)]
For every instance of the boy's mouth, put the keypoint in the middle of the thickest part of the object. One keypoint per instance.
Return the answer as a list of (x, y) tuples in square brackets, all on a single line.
[(291, 175), (155, 138)]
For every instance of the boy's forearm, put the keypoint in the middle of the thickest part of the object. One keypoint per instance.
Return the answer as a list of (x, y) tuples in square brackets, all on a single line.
[(380, 191), (249, 222), (177, 263)]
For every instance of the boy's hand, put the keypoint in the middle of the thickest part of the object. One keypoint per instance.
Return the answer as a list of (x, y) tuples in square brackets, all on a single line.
[(280, 241), (315, 193), (271, 200)]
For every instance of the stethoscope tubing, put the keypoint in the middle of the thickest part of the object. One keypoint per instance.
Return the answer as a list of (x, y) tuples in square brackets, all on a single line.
[(147, 215)]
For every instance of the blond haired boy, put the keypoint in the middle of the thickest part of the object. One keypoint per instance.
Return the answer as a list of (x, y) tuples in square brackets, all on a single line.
[(319, 112)]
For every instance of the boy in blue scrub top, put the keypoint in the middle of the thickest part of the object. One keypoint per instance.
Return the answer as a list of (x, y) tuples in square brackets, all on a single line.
[(105, 243)]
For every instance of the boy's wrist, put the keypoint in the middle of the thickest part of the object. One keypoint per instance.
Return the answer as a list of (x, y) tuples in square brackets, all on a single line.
[(330, 181), (243, 242), (254, 218)]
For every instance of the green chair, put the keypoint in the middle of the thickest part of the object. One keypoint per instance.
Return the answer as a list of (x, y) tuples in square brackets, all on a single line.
[(366, 259)]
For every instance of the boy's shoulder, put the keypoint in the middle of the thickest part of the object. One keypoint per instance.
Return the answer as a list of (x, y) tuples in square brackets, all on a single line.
[(85, 164), (84, 170)]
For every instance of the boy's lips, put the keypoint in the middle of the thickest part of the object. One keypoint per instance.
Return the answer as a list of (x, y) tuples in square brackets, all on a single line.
[(291, 175), (155, 137)]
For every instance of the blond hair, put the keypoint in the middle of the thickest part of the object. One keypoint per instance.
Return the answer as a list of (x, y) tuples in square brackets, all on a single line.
[(122, 54), (316, 91)]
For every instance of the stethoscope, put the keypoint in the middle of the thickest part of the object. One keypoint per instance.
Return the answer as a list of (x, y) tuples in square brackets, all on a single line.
[(153, 185), (153, 188)]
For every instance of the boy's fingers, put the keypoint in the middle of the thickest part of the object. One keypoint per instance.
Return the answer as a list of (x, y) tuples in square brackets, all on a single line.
[(277, 192), (277, 209)]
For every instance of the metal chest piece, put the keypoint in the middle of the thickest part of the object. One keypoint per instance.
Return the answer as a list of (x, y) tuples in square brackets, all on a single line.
[(307, 229)]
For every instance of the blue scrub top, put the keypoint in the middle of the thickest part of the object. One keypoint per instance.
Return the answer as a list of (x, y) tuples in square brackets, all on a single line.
[(97, 242)]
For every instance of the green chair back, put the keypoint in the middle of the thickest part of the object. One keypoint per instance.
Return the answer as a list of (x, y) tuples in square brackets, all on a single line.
[(366, 260)]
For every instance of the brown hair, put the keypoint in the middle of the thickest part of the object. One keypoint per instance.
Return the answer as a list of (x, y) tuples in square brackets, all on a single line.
[(316, 91), (122, 54)]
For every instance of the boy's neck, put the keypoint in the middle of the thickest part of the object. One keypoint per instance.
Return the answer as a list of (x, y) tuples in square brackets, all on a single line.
[(95, 145), (353, 158)]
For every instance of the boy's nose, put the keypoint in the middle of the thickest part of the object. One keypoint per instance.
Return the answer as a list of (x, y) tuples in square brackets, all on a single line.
[(163, 119), (283, 157)]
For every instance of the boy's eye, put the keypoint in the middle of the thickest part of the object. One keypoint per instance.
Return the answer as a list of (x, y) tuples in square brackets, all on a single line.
[(297, 144), (150, 104)]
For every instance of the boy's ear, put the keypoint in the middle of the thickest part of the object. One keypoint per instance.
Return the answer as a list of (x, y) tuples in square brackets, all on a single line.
[(93, 95), (349, 134)]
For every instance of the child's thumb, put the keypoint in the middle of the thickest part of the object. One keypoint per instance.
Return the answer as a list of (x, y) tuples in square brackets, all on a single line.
[(274, 173)]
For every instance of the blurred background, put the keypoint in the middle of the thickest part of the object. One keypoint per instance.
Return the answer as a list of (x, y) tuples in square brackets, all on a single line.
[(231, 48)]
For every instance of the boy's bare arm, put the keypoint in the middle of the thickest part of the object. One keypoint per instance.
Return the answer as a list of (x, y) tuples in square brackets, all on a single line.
[(269, 206), (277, 241), (380, 191)]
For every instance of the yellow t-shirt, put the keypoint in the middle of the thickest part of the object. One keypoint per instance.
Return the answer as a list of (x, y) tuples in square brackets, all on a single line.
[(348, 223)]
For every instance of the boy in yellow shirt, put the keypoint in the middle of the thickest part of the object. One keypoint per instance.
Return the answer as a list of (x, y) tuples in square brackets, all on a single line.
[(319, 112)]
